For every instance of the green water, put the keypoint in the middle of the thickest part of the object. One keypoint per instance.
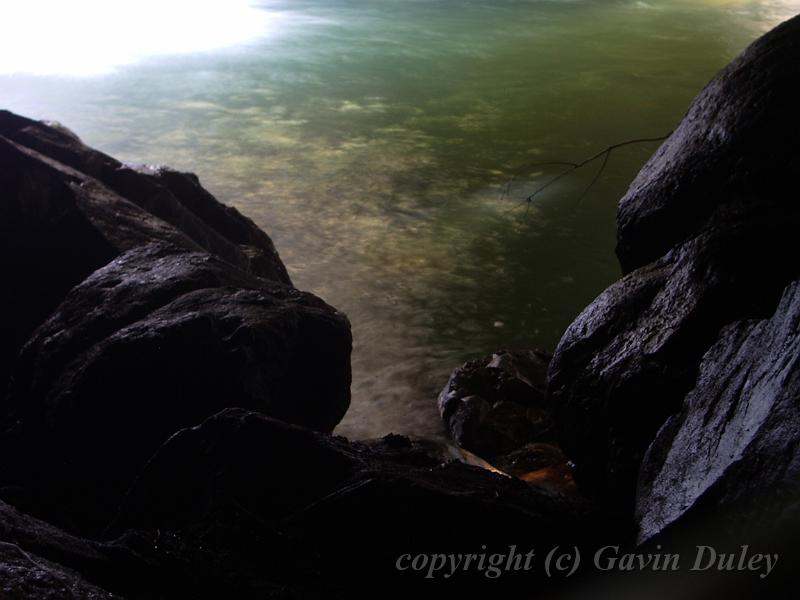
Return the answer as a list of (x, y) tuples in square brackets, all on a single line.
[(371, 139)]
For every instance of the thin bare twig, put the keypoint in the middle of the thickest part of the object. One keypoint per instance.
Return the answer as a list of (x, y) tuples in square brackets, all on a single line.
[(605, 154), (525, 168), (596, 176)]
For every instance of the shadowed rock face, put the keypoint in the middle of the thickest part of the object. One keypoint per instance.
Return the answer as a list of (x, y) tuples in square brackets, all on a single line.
[(23, 576), (141, 329), (66, 210), (707, 235), (359, 506), (56, 227), (157, 340), (735, 150), (134, 304), (245, 506), (496, 404), (174, 197), (39, 561), (733, 451)]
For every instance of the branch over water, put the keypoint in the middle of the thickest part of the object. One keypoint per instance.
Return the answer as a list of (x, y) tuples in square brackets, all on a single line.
[(605, 154)]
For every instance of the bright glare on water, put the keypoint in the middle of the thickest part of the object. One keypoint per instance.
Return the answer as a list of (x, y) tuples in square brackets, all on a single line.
[(93, 37), (372, 139)]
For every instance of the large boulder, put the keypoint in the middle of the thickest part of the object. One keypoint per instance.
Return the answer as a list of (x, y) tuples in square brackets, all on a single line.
[(56, 227), (157, 340), (243, 490), (66, 210), (250, 507), (707, 237), (732, 454), (174, 197), (134, 304), (736, 149)]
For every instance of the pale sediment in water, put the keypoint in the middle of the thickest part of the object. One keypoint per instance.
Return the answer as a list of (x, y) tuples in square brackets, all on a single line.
[(372, 141)]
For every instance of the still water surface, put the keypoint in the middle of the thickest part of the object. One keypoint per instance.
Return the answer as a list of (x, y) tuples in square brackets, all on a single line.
[(372, 138)]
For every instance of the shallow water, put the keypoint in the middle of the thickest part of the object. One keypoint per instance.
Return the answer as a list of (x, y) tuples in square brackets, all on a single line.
[(372, 140)]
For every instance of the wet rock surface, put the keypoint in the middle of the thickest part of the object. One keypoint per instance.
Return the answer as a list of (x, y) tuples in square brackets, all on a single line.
[(24, 576), (246, 506), (140, 308), (157, 340), (496, 404), (706, 233), (540, 463), (254, 474), (495, 410), (38, 560), (134, 304), (735, 151), (67, 209), (732, 454), (170, 406), (174, 197)]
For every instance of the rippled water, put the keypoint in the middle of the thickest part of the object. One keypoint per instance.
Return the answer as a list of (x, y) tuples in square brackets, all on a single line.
[(372, 139)]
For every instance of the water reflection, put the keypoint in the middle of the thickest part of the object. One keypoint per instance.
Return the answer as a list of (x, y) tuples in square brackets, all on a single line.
[(371, 140), (93, 37)]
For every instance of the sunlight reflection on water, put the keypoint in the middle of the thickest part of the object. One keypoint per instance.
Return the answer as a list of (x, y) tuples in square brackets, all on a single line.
[(371, 138), (93, 37)]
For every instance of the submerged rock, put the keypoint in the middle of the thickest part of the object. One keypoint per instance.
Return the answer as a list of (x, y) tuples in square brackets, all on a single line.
[(496, 404), (707, 236), (157, 340)]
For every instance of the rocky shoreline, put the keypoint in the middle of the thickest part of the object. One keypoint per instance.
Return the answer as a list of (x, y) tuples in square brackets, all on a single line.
[(168, 395)]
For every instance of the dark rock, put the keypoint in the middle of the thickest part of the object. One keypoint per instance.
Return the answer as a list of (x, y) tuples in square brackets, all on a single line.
[(56, 227), (66, 210), (248, 507), (421, 452), (358, 506), (177, 198), (28, 577), (157, 340), (141, 564), (736, 149), (543, 464), (496, 404), (705, 232), (220, 229), (38, 560), (264, 465), (39, 537), (732, 454)]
